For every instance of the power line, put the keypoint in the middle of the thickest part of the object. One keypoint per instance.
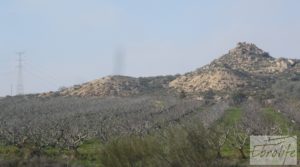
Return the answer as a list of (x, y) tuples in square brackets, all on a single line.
[(3, 73), (43, 71), (41, 77)]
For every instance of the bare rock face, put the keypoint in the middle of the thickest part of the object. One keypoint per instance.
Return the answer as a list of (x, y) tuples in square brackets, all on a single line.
[(107, 86), (248, 49), (249, 58), (215, 79), (244, 66), (283, 64), (118, 86)]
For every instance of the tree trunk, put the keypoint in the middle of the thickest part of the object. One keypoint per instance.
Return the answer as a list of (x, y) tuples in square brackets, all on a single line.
[(242, 153), (219, 155)]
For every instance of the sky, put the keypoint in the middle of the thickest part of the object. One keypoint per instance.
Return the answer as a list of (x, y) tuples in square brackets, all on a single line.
[(69, 42)]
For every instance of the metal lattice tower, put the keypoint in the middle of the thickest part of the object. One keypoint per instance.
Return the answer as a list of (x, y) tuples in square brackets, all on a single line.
[(20, 86)]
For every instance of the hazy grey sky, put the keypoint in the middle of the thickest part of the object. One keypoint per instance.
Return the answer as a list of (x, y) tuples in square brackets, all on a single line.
[(73, 41)]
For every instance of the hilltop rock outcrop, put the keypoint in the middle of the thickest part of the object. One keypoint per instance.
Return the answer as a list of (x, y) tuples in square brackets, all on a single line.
[(244, 67)]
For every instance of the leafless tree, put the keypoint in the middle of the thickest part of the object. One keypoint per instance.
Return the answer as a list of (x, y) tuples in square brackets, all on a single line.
[(217, 138), (240, 136)]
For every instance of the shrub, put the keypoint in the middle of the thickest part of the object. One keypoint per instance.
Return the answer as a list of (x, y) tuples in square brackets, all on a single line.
[(131, 151), (238, 97)]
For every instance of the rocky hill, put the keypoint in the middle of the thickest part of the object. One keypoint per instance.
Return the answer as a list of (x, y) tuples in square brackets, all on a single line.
[(116, 86), (246, 67)]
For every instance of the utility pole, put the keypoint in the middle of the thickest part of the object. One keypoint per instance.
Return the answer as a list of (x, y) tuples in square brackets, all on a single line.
[(11, 89), (118, 62), (20, 86)]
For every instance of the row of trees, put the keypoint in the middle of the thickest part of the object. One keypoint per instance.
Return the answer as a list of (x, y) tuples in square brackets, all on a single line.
[(137, 131), (66, 122), (193, 144)]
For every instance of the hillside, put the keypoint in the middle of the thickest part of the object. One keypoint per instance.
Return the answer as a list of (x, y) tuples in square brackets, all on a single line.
[(246, 67), (116, 86)]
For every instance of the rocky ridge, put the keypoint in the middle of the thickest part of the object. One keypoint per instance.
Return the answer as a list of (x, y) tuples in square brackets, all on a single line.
[(116, 86), (246, 67)]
